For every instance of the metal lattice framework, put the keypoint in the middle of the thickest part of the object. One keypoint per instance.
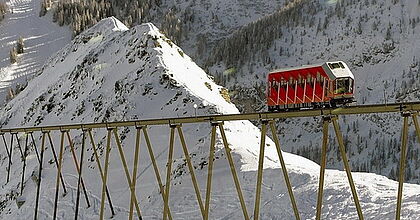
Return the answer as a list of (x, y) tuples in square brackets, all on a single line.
[(329, 116)]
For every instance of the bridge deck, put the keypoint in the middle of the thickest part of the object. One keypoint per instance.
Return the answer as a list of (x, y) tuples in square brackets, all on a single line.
[(349, 110), (408, 109)]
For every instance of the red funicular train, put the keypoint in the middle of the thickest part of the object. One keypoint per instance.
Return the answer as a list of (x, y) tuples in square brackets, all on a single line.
[(316, 86)]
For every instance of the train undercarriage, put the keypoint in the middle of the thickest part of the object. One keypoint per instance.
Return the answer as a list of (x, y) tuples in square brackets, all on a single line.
[(334, 103)]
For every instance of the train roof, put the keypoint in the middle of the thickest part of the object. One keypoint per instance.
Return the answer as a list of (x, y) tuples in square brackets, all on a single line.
[(342, 71), (286, 69)]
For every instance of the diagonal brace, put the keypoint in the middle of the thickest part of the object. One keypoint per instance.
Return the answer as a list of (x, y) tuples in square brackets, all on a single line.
[(403, 155), (127, 173), (191, 168), (347, 166), (156, 169), (325, 123), (283, 168), (78, 168), (101, 172)]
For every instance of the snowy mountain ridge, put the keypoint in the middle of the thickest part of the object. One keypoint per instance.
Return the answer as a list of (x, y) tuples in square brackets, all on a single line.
[(112, 73)]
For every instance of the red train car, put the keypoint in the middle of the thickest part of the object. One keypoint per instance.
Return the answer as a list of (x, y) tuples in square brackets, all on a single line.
[(314, 86)]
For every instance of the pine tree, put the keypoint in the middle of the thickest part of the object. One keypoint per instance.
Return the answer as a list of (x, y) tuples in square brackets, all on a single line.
[(3, 9), (43, 9), (20, 45), (10, 95), (359, 28), (13, 55), (388, 32)]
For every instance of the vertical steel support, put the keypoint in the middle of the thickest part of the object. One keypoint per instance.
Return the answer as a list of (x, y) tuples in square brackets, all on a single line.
[(313, 90), (79, 181), (24, 164), (416, 125), (402, 165), (323, 90), (127, 173), (76, 164), (233, 171), (155, 168), (57, 185), (325, 123), (101, 172), (210, 170), (5, 144), (20, 148), (38, 188), (56, 162), (168, 172), (34, 144), (134, 176), (104, 187), (260, 170), (283, 168), (347, 166), (10, 159), (287, 92), (191, 168), (278, 93), (22, 158)]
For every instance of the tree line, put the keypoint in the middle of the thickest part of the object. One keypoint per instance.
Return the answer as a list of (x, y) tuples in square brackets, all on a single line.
[(83, 14), (257, 37), (3, 10)]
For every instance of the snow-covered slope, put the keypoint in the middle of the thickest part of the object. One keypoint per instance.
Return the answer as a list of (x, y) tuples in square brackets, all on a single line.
[(42, 38), (204, 23), (110, 73), (379, 40)]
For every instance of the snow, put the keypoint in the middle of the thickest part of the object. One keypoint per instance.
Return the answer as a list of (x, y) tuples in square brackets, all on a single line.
[(111, 73), (215, 19), (385, 71), (42, 38)]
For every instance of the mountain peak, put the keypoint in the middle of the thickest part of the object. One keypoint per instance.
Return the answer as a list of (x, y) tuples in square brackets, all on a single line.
[(115, 58), (107, 26)]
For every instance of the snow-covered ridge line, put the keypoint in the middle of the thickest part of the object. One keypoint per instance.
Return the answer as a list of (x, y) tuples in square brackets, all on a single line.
[(109, 73)]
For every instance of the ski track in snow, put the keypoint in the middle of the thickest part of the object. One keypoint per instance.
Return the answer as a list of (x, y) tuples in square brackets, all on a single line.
[(42, 38)]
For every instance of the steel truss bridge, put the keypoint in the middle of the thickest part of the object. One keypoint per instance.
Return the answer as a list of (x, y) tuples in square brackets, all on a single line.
[(267, 120)]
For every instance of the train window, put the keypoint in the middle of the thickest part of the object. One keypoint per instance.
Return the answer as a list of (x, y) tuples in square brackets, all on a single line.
[(275, 85), (343, 85), (335, 65)]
